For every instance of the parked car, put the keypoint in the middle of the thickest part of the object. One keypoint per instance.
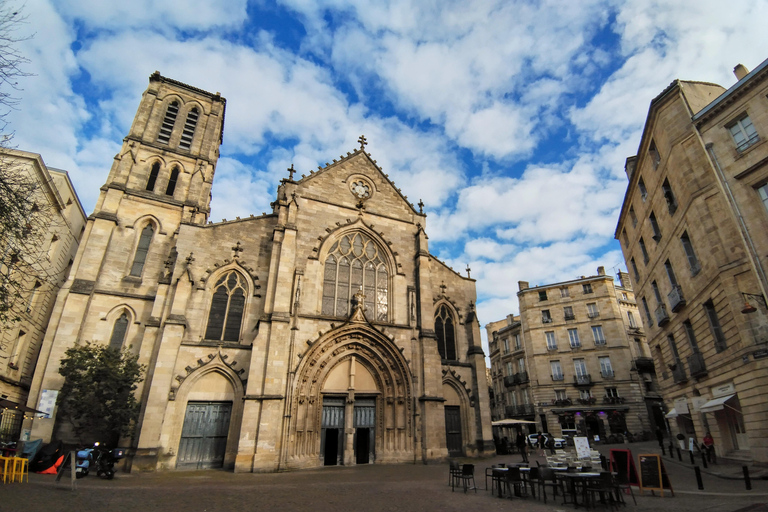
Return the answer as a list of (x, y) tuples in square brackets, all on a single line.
[(559, 441)]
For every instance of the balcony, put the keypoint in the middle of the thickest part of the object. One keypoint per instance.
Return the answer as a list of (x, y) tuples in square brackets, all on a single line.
[(546, 320), (613, 400), (570, 317), (563, 402), (521, 378), (662, 317), (607, 374), (587, 401), (519, 410), (696, 365), (509, 381), (678, 373), (676, 299), (582, 380), (593, 314), (643, 364), (557, 376)]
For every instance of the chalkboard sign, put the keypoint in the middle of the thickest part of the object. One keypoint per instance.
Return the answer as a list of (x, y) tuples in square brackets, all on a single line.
[(653, 474), (623, 464)]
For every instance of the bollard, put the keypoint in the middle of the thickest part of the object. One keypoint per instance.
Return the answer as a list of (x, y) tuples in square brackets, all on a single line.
[(679, 455), (692, 459), (663, 450), (747, 481), (671, 448), (699, 481), (704, 459)]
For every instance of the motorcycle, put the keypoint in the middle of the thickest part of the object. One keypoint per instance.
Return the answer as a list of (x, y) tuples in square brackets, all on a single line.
[(100, 458)]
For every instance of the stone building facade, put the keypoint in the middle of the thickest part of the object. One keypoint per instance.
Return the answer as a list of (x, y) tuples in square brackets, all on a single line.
[(49, 258), (320, 333), (575, 361), (694, 231)]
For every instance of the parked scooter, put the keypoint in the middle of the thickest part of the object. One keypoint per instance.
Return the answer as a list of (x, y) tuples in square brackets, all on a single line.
[(99, 458)]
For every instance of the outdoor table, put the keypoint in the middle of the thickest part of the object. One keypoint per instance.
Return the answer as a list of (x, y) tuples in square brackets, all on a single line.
[(574, 481)]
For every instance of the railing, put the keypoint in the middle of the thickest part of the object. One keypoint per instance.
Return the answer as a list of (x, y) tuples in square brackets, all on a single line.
[(678, 373), (696, 364), (587, 401), (570, 317), (575, 344), (562, 402), (557, 376), (662, 317), (644, 364), (582, 380), (607, 374), (519, 410), (676, 299), (509, 381), (521, 378), (593, 314), (613, 400), (546, 320)]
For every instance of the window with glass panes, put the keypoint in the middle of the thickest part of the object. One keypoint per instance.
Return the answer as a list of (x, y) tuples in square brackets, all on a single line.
[(597, 334), (551, 342), (573, 338), (557, 371), (606, 370)]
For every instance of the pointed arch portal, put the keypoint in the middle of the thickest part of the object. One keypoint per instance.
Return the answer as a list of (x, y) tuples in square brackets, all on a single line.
[(352, 402)]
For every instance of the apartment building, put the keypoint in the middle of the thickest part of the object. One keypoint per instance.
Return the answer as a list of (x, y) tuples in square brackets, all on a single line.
[(575, 360), (694, 232)]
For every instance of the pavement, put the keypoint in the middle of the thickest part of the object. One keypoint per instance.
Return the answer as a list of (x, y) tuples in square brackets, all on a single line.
[(406, 487)]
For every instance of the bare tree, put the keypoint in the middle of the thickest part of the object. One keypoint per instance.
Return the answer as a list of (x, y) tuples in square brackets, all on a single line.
[(26, 210)]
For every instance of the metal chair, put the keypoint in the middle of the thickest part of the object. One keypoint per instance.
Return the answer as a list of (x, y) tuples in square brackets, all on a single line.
[(622, 484), (605, 488), (515, 483), (546, 479), (467, 474), (454, 470), (20, 468), (7, 469)]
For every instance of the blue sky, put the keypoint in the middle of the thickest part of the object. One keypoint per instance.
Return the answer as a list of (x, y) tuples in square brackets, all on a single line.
[(510, 119)]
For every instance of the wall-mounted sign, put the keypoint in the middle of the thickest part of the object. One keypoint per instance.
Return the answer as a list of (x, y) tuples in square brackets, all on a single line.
[(723, 389)]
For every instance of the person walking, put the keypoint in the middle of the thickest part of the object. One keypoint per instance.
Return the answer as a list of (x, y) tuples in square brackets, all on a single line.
[(709, 446), (522, 445), (660, 437), (540, 442)]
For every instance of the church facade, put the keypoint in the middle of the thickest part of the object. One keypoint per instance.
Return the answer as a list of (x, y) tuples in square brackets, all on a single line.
[(320, 333)]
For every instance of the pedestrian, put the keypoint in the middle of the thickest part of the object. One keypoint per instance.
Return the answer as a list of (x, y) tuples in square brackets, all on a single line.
[(522, 445), (660, 437), (540, 442), (550, 442), (709, 446)]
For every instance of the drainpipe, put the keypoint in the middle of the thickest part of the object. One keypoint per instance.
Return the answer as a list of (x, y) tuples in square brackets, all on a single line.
[(752, 252)]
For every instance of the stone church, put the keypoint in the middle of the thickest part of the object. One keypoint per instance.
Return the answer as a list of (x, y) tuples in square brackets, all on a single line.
[(321, 333)]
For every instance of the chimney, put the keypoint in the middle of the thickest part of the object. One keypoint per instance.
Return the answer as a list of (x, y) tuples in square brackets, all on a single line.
[(740, 71), (523, 285), (624, 280), (601, 271)]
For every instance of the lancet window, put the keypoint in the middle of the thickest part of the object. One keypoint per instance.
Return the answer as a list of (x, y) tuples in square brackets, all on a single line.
[(227, 305), (354, 263), (445, 332)]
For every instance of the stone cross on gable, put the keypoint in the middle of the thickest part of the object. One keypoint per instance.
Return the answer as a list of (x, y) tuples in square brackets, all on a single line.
[(363, 141), (291, 170), (468, 270), (421, 206), (237, 250)]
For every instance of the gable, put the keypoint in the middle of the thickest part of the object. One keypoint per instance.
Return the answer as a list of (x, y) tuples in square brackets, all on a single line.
[(354, 181)]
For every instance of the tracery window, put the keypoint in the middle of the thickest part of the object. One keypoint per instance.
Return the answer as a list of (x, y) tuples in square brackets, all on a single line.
[(444, 330), (227, 305), (141, 250), (354, 263), (118, 332)]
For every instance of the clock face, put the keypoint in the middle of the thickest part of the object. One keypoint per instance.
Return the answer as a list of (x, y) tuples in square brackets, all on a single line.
[(360, 189)]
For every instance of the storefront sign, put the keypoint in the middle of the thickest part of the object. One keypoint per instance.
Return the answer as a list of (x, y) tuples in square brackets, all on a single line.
[(723, 389), (681, 405), (698, 401)]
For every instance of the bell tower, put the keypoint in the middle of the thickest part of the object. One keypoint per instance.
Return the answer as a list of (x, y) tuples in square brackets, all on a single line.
[(170, 153)]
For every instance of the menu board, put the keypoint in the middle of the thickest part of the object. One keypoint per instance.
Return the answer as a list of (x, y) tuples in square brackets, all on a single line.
[(623, 463), (653, 474), (582, 447)]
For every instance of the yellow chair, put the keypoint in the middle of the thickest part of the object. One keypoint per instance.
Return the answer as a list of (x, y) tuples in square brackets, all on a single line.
[(7, 468), (20, 468)]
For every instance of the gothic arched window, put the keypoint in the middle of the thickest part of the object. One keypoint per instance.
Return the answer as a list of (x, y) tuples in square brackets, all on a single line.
[(189, 129), (172, 181), (118, 332), (227, 307), (141, 250), (164, 137), (444, 330), (153, 176), (354, 263)]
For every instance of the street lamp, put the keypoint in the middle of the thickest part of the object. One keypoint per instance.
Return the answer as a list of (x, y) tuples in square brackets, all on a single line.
[(748, 307)]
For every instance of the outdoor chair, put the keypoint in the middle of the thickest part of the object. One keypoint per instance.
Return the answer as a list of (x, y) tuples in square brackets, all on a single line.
[(454, 470), (546, 479), (467, 474), (20, 468), (622, 484), (7, 468), (496, 477), (515, 483), (604, 488)]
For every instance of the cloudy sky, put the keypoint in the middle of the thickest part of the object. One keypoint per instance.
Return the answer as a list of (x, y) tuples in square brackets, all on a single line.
[(510, 119)]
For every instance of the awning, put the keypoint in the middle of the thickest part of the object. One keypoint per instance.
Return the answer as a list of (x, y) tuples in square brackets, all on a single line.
[(715, 405), (508, 422), (671, 414)]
